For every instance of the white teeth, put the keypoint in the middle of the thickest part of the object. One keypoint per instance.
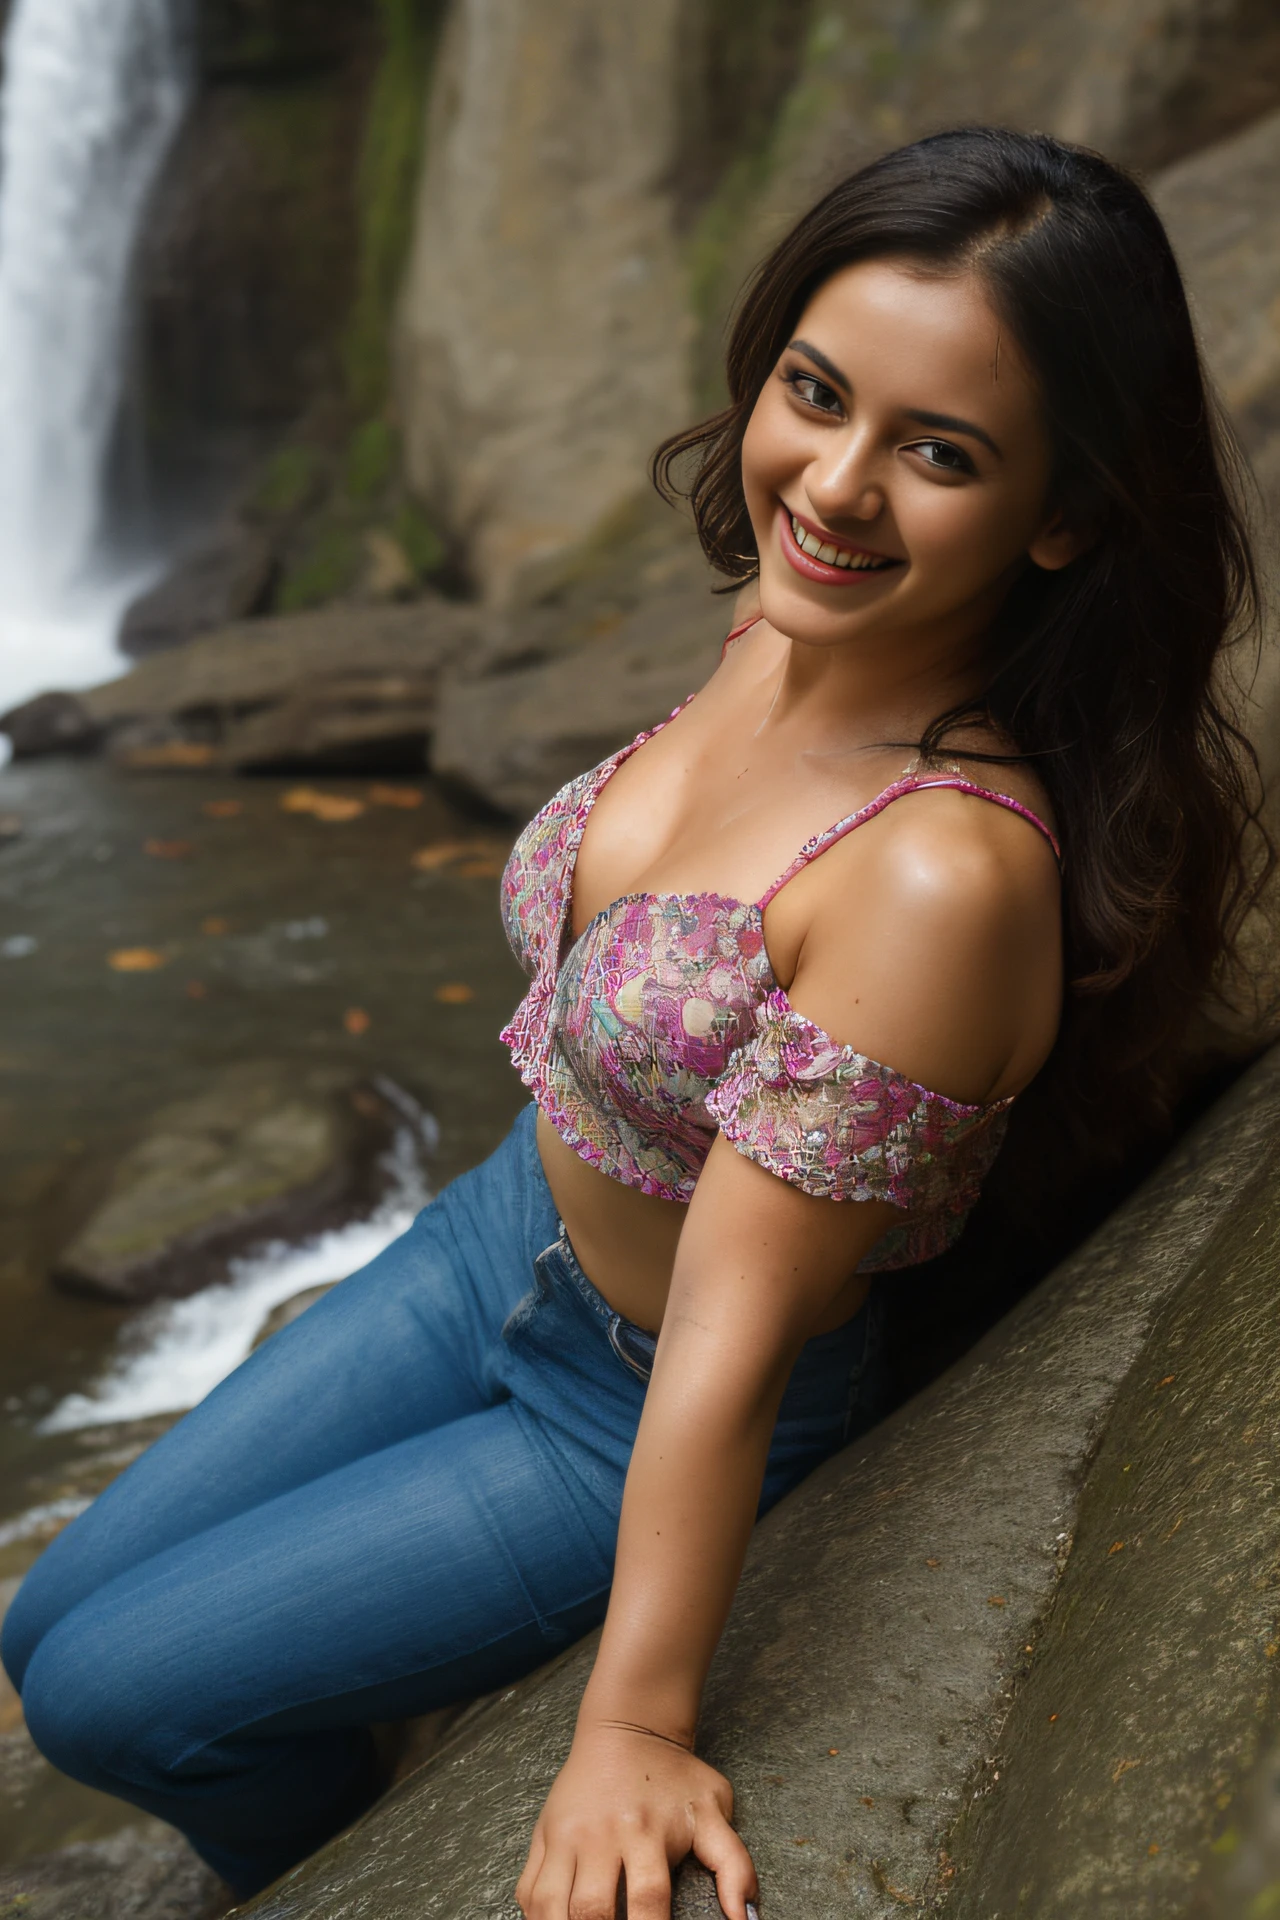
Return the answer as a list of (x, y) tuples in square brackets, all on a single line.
[(833, 556)]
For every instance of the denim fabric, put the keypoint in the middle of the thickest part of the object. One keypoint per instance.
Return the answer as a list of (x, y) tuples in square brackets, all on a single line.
[(408, 1496)]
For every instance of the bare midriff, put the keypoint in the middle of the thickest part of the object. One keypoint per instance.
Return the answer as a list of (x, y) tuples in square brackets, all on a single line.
[(625, 1240)]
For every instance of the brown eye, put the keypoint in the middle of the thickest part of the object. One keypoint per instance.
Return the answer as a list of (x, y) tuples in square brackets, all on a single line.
[(814, 392), (941, 453)]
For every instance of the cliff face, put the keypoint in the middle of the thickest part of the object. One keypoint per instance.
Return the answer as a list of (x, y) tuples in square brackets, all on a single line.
[(597, 182)]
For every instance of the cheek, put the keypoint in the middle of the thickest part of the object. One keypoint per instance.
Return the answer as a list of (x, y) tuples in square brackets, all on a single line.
[(971, 529), (767, 457)]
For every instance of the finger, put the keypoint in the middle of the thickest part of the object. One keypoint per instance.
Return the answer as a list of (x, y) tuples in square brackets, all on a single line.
[(595, 1888), (717, 1846), (549, 1898), (648, 1884), (537, 1854)]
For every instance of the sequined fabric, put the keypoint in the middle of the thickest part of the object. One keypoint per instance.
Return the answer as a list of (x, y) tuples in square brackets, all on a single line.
[(663, 1023)]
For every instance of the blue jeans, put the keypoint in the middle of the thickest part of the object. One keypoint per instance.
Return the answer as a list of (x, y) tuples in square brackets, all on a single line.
[(407, 1497)]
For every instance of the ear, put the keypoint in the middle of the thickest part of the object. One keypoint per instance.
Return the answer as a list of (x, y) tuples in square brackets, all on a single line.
[(1059, 542)]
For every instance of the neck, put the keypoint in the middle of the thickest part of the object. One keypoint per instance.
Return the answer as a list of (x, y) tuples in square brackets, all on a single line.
[(870, 689)]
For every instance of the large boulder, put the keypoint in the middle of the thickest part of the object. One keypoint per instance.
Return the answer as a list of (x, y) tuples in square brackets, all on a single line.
[(263, 1152), (1011, 1653)]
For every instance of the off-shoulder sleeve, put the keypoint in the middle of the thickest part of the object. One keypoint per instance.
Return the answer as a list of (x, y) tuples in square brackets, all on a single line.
[(842, 1127)]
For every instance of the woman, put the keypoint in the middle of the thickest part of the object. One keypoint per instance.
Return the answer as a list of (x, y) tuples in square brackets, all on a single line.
[(800, 947)]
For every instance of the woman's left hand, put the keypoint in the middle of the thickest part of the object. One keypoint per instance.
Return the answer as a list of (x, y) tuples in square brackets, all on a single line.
[(634, 1803)]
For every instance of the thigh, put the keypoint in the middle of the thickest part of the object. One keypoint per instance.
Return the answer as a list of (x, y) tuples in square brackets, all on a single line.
[(436, 1568), (397, 1350)]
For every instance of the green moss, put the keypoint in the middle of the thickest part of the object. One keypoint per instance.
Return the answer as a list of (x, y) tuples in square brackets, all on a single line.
[(326, 569), (386, 186), (292, 475), (371, 458), (421, 544)]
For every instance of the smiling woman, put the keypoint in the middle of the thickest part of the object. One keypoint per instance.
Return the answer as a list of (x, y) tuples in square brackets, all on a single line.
[(956, 815)]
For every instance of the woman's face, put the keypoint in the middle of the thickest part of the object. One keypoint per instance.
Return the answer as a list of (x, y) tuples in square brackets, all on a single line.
[(901, 436)]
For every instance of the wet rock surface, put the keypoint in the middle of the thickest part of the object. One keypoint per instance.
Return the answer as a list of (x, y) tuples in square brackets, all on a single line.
[(144, 1873), (264, 1151), (223, 577), (881, 1697)]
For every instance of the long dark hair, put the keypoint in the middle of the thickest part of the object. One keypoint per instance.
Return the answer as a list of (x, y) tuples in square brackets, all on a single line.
[(1105, 675)]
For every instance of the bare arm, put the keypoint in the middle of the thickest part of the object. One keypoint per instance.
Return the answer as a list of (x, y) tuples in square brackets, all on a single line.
[(758, 1265)]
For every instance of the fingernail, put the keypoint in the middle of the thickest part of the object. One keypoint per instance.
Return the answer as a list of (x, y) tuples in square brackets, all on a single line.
[(753, 1912)]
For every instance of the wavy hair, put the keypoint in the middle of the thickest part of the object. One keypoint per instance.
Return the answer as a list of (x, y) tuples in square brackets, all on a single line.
[(1106, 675)]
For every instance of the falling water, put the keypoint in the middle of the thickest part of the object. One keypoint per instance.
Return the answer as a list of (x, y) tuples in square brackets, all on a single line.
[(93, 92)]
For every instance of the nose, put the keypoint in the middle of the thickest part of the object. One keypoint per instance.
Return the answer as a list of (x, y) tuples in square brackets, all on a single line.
[(846, 484)]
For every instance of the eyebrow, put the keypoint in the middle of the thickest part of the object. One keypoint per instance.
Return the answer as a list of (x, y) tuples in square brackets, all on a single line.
[(948, 421)]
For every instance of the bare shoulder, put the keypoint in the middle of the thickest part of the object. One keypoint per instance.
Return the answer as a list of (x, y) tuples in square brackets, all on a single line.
[(935, 944)]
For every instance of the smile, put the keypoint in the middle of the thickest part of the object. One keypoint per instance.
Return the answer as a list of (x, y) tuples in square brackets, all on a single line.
[(820, 555)]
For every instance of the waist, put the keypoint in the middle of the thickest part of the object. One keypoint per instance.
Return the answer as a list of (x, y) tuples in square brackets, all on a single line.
[(625, 1241)]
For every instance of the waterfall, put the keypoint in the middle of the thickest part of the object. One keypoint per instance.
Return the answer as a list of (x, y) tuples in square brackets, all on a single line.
[(93, 92)]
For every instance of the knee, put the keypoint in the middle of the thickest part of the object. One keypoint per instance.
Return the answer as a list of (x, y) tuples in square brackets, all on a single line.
[(31, 1613), (82, 1693)]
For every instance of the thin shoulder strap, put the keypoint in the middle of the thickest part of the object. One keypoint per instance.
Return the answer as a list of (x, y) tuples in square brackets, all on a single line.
[(738, 632), (905, 783)]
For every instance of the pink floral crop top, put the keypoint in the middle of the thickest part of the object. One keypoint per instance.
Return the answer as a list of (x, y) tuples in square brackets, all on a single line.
[(663, 1024)]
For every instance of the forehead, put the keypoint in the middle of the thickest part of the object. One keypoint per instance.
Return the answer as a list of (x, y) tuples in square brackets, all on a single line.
[(916, 339)]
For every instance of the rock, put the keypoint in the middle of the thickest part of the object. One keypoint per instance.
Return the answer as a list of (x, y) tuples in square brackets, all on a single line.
[(137, 1874), (350, 687), (51, 723), (514, 735), (225, 577), (264, 1151), (911, 1616), (287, 1312), (545, 329)]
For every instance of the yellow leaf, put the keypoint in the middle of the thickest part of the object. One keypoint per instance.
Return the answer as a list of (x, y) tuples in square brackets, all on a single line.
[(136, 960), (168, 849), (405, 797), (480, 869), (356, 1020), (481, 856), (455, 993), (329, 807), (222, 809)]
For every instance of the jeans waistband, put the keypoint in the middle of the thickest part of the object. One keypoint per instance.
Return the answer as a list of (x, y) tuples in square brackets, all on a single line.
[(635, 1346)]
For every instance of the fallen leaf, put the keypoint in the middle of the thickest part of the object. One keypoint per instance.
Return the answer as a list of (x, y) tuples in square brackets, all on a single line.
[(933, 1565), (1052, 1718), (1123, 1766), (168, 849), (1271, 1649), (443, 853), (1153, 1849), (214, 925), (356, 1020), (455, 993), (833, 1751), (996, 1600), (329, 807), (1167, 1381), (480, 869), (1117, 1546), (222, 809), (197, 990), (867, 1801), (405, 797), (173, 753), (136, 960)]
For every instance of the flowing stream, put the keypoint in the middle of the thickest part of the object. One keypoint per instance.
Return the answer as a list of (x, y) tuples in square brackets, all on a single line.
[(93, 93)]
